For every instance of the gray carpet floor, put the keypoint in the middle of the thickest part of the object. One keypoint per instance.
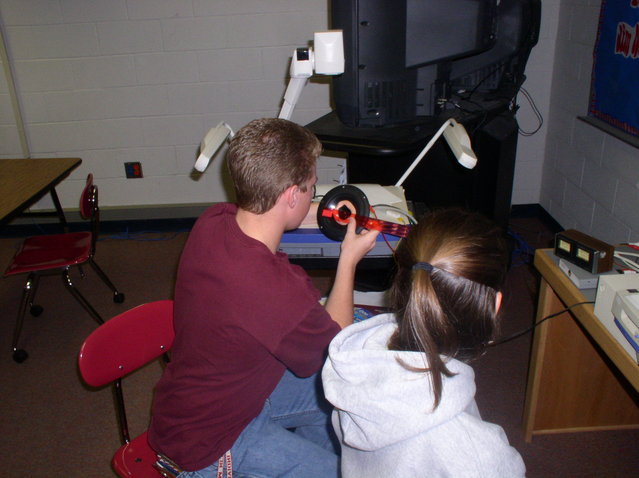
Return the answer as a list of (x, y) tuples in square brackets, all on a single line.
[(52, 425)]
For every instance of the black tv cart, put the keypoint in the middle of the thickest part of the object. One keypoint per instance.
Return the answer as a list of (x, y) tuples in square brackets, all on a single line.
[(382, 155)]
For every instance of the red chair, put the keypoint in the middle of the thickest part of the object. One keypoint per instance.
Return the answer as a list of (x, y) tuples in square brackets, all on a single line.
[(57, 253), (115, 349)]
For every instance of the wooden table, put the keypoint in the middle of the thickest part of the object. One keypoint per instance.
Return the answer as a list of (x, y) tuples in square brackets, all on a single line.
[(580, 378), (25, 181)]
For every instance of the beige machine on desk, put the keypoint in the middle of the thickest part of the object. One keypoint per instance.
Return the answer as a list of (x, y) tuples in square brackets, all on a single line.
[(608, 290)]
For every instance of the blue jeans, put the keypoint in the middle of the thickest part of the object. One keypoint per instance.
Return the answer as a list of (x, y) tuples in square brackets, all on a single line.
[(291, 438)]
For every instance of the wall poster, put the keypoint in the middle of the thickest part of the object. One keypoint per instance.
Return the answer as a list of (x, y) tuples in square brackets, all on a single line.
[(614, 94)]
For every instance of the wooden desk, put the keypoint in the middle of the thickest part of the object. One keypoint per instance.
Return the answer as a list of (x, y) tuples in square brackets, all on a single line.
[(579, 378), (25, 181)]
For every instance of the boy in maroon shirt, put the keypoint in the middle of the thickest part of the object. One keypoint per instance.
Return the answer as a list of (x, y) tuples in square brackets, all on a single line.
[(250, 332)]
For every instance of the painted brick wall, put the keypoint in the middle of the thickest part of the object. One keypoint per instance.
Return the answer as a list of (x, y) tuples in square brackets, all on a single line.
[(590, 179), (114, 81)]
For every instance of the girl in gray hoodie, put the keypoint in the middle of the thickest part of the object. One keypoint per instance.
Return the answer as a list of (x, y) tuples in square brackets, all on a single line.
[(401, 384)]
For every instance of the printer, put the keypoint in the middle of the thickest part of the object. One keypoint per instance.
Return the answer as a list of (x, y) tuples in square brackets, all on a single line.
[(617, 307), (625, 310)]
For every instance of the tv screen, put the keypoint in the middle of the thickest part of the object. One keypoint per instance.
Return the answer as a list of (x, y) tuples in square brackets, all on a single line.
[(439, 30), (407, 58)]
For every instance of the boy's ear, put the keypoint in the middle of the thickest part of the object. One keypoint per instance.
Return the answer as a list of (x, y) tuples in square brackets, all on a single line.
[(498, 297), (291, 195)]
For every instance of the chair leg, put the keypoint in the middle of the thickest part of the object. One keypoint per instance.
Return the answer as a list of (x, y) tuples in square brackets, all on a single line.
[(118, 297), (28, 292), (121, 409), (34, 309), (79, 297)]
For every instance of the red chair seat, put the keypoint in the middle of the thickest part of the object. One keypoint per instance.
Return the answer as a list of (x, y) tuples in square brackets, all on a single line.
[(136, 459), (44, 255), (39, 253), (116, 349)]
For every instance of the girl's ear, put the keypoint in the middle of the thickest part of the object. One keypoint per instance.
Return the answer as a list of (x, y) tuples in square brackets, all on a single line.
[(498, 298)]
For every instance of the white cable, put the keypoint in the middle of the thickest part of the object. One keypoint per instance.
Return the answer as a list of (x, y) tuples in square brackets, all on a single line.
[(395, 212), (631, 264)]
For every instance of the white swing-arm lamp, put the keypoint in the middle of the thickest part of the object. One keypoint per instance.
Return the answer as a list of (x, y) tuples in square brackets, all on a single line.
[(457, 138), (327, 59), (213, 140)]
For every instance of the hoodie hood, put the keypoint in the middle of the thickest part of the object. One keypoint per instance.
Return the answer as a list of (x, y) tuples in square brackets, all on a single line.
[(360, 369)]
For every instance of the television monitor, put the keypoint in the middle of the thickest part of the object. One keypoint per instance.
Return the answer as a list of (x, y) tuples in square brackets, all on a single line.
[(411, 58)]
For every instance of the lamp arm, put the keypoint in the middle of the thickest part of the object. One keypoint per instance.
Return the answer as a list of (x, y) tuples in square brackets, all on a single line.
[(330, 61), (293, 93), (458, 141), (326, 59), (419, 157)]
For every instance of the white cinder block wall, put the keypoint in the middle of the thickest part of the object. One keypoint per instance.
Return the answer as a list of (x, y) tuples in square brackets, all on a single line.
[(590, 179), (113, 81), (530, 148)]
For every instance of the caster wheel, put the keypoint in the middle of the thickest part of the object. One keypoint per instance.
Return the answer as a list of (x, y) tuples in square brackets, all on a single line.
[(118, 297), (20, 355), (36, 310)]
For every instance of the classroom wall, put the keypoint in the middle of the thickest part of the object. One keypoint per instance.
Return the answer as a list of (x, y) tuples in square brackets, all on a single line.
[(114, 81), (590, 179), (530, 147)]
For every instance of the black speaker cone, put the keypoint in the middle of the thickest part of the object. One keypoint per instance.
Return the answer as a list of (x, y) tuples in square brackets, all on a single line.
[(328, 224)]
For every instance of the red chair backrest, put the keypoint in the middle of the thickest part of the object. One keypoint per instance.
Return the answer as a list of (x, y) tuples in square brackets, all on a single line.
[(89, 209), (89, 198), (127, 342)]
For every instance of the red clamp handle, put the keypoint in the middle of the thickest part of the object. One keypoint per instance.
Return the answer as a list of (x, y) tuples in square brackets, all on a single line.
[(342, 215)]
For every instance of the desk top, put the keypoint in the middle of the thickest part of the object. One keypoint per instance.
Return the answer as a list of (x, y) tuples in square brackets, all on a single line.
[(24, 181), (546, 263)]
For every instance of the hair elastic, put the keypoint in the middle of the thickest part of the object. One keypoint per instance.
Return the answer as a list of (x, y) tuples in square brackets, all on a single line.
[(424, 266)]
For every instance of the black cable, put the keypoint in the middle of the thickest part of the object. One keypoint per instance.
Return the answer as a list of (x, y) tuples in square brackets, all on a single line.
[(482, 110), (489, 74), (538, 114), (522, 249), (529, 329)]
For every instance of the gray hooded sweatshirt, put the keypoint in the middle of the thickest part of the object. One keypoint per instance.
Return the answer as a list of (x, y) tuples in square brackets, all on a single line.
[(384, 413)]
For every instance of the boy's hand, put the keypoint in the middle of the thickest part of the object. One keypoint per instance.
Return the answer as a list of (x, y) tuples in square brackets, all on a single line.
[(356, 246)]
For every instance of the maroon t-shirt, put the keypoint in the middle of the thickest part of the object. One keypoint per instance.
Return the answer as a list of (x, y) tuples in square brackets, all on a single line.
[(242, 316)]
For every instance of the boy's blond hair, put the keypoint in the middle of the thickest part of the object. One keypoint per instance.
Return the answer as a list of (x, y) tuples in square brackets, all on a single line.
[(266, 157)]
